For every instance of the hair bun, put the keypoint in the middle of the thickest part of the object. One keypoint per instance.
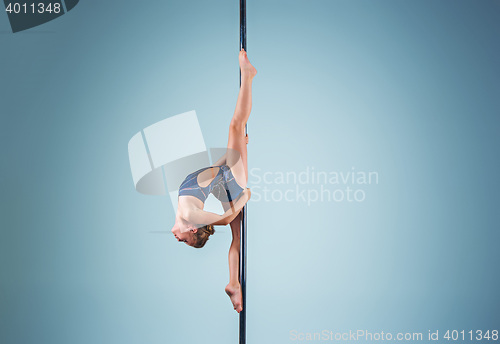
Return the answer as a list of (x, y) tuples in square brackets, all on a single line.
[(202, 234), (210, 229)]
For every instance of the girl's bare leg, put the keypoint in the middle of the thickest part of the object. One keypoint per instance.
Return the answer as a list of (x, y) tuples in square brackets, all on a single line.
[(233, 288), (237, 148)]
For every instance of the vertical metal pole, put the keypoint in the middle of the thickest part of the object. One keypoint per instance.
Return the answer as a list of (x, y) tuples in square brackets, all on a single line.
[(243, 227)]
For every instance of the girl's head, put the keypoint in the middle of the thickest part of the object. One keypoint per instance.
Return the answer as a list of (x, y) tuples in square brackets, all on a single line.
[(195, 236), (201, 235)]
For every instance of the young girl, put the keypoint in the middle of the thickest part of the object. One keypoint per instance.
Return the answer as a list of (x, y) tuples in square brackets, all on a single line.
[(226, 180)]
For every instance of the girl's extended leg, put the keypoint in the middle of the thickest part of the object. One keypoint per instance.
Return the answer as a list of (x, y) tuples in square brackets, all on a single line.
[(237, 148)]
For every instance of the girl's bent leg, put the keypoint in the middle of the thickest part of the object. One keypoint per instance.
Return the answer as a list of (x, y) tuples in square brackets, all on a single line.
[(233, 289)]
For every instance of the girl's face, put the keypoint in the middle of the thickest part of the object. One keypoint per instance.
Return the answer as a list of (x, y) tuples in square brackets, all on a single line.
[(185, 235)]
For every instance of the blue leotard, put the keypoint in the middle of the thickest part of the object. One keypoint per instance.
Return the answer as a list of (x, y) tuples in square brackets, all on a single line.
[(224, 187)]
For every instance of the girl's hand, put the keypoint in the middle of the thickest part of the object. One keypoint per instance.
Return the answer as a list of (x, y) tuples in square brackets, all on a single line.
[(245, 196)]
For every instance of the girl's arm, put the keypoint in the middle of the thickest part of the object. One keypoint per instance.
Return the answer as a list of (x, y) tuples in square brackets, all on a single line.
[(202, 217)]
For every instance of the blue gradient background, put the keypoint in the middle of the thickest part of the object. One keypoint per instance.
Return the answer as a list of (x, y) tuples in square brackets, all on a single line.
[(409, 89)]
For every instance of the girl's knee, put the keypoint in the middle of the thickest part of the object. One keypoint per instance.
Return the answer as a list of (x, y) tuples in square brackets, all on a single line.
[(237, 127)]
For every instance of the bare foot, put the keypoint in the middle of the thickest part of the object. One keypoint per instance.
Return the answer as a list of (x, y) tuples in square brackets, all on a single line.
[(246, 67), (234, 292)]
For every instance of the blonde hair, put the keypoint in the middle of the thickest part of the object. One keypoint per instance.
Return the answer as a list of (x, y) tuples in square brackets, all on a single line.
[(202, 234)]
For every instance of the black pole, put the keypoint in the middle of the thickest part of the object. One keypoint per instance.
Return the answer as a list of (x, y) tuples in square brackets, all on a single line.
[(243, 227)]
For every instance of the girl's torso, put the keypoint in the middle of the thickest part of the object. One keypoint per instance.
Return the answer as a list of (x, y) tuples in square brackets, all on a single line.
[(216, 180)]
